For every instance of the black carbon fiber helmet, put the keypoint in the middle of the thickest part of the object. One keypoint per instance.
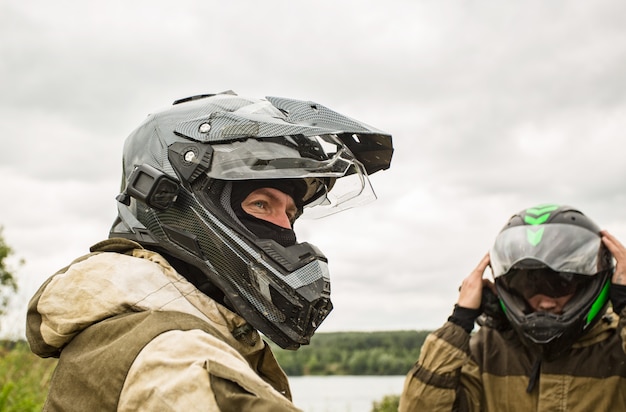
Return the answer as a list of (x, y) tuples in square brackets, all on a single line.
[(181, 165), (555, 251)]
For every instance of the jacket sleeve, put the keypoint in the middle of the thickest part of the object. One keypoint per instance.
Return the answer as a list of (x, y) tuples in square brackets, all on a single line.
[(191, 370), (444, 378), (622, 328)]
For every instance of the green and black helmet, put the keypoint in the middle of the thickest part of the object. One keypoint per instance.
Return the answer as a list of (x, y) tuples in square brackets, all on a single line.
[(556, 251)]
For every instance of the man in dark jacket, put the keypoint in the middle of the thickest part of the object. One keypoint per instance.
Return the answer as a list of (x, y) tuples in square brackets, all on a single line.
[(548, 340)]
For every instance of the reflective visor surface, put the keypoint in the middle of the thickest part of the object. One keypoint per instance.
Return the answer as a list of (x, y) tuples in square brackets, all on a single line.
[(561, 247)]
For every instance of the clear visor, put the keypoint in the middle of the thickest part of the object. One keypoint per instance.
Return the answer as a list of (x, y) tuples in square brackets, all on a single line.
[(561, 247), (336, 180)]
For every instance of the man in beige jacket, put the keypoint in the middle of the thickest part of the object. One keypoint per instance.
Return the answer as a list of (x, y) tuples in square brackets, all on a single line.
[(165, 315), (549, 340)]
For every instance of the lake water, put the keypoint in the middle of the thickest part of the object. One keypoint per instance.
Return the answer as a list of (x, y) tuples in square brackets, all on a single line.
[(342, 393)]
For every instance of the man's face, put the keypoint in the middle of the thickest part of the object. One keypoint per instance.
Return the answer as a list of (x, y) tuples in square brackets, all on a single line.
[(271, 205), (543, 303), (543, 289)]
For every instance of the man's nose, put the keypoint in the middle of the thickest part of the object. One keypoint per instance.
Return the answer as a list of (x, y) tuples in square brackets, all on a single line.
[(546, 303), (281, 219)]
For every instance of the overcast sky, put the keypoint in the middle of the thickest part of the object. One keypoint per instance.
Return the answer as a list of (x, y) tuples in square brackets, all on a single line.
[(493, 107)]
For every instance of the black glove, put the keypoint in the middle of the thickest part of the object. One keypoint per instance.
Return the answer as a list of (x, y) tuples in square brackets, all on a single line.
[(464, 317), (617, 294), (492, 314)]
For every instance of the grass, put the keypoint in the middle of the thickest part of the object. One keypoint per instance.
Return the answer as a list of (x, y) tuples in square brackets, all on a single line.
[(24, 378)]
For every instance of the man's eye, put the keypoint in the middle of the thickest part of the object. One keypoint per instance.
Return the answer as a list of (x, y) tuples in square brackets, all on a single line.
[(259, 204)]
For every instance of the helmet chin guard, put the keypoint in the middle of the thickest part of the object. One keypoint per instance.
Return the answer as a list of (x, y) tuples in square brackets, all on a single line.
[(179, 166)]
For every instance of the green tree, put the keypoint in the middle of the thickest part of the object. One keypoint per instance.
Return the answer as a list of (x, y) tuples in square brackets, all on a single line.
[(354, 353), (8, 283)]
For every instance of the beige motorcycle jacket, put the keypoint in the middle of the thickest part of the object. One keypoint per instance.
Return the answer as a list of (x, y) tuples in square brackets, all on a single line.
[(132, 334)]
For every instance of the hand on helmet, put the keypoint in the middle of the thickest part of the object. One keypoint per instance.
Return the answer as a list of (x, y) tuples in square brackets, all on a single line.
[(470, 295), (619, 253)]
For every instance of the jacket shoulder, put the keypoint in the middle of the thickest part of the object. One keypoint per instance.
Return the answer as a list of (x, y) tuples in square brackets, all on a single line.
[(102, 355)]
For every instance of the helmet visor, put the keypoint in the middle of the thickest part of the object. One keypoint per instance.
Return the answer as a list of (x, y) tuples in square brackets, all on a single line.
[(322, 161), (281, 157), (561, 247), (531, 282)]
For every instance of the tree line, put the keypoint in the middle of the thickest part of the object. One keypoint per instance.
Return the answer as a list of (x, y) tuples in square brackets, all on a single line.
[(354, 353)]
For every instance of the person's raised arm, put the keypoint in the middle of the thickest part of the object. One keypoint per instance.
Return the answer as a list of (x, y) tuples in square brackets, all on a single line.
[(618, 281), (436, 381), (467, 307)]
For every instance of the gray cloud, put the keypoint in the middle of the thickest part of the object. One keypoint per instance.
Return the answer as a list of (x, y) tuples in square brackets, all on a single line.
[(493, 108)]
